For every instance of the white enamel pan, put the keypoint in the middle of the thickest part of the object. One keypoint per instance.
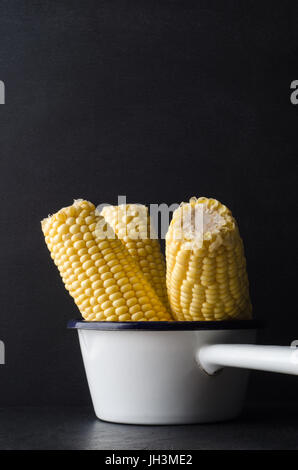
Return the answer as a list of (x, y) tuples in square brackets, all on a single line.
[(174, 372)]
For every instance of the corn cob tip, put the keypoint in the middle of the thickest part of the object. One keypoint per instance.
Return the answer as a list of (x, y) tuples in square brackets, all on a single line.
[(202, 220), (68, 211)]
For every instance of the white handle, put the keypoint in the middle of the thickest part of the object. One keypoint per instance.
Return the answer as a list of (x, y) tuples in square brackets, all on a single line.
[(283, 359)]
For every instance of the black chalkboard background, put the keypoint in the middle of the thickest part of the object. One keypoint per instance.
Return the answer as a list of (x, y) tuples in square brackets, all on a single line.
[(158, 101)]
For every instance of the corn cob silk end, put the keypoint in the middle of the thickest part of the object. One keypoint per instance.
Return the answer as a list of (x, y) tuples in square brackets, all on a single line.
[(206, 266)]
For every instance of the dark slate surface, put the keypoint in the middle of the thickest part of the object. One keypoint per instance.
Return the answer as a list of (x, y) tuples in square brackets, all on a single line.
[(260, 427)]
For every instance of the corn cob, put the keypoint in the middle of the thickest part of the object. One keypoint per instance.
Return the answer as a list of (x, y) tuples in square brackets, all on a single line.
[(100, 275), (206, 266), (132, 224)]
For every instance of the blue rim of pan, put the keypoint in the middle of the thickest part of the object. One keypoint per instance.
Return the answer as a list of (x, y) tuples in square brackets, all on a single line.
[(165, 325)]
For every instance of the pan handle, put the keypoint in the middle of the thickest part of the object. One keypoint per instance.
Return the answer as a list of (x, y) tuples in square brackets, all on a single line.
[(282, 359)]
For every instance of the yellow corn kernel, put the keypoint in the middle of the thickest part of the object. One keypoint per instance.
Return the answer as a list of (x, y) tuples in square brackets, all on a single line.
[(132, 224), (99, 272), (206, 274)]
